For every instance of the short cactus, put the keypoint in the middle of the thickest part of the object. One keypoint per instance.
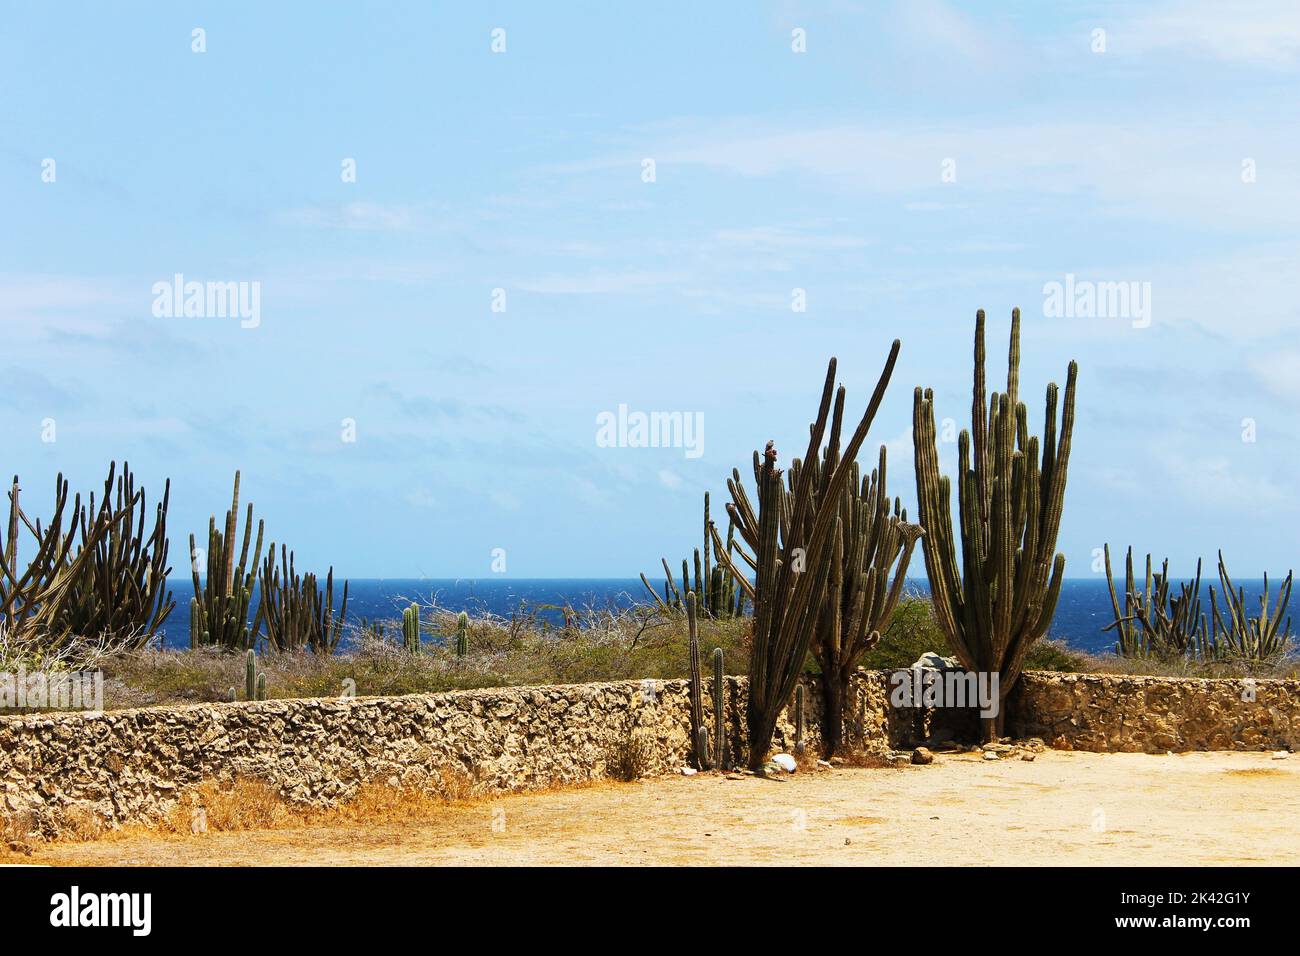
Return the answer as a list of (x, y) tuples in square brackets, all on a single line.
[(250, 675), (462, 634), (411, 628)]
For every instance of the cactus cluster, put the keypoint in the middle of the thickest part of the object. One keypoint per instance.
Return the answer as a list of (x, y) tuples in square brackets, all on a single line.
[(1154, 625), (872, 547), (717, 591), (298, 612), (113, 583), (33, 600), (798, 537), (121, 589), (1244, 637), (997, 599), (219, 608), (707, 757)]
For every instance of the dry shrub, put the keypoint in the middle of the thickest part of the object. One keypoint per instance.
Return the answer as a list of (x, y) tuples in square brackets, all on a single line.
[(248, 804), (80, 823), (241, 804), (630, 757)]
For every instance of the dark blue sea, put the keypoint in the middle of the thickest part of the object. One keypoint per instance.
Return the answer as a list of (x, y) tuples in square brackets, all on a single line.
[(1083, 611)]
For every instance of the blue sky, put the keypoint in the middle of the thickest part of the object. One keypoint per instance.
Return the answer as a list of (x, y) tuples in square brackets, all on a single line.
[(523, 171)]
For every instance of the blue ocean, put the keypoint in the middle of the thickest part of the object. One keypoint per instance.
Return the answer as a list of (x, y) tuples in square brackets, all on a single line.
[(1084, 608)]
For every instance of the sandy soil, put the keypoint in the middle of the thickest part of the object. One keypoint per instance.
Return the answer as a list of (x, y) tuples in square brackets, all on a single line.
[(1063, 808)]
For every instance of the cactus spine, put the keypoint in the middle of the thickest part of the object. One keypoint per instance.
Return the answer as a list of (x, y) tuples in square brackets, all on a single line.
[(462, 634), (1001, 597), (719, 702)]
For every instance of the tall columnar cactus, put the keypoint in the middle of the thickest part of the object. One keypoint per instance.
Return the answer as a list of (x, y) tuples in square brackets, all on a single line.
[(462, 634), (717, 592), (719, 719), (999, 597), (1153, 625), (799, 546), (219, 608), (699, 733), (1245, 638), (798, 718), (411, 628)]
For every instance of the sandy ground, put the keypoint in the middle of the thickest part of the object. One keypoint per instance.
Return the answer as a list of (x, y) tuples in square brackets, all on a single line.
[(1063, 808)]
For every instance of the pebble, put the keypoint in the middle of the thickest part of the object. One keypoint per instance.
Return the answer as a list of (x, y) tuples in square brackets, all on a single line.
[(990, 755), (922, 755), (1281, 755), (1028, 757)]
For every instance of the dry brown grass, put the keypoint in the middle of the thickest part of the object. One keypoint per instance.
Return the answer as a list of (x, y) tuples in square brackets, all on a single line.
[(1256, 772), (247, 805)]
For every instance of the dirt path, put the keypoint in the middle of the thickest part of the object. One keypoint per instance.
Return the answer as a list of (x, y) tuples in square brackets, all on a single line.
[(1063, 808)]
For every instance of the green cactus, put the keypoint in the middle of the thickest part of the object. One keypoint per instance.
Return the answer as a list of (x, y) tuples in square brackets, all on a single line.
[(219, 609), (250, 675), (698, 730), (717, 593), (462, 634), (798, 719), (299, 613), (1000, 598), (874, 540), (719, 701), (797, 546), (1154, 625), (411, 628), (1242, 637)]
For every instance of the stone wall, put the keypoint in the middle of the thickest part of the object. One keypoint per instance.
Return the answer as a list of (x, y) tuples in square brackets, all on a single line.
[(1102, 712), (133, 765)]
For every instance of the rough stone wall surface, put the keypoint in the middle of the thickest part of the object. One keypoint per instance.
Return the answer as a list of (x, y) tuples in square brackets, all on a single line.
[(1104, 712), (127, 766)]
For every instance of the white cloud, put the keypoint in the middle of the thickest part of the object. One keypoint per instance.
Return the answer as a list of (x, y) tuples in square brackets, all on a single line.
[(1262, 33), (1279, 372), (359, 216)]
